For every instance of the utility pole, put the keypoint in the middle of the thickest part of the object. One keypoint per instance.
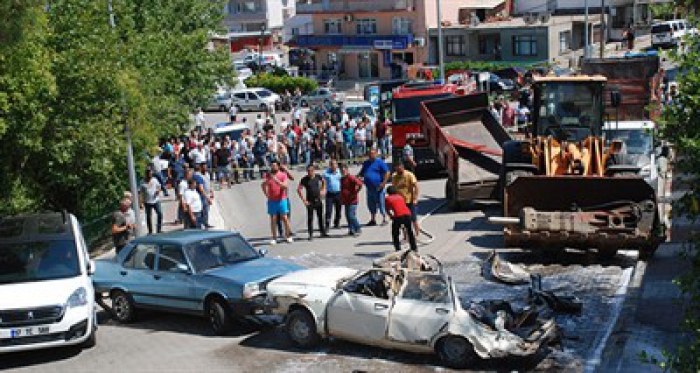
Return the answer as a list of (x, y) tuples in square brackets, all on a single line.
[(441, 43), (585, 33), (602, 29), (135, 204)]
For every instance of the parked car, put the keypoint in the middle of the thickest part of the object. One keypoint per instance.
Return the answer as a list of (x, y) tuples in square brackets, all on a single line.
[(669, 33), (221, 101), (242, 70), (254, 99), (319, 96), (359, 109), (399, 308), (638, 147), (232, 130), (46, 293), (215, 274), (495, 83)]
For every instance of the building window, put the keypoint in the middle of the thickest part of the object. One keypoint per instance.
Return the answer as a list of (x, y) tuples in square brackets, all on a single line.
[(524, 45), (564, 41), (456, 46), (402, 26), (367, 26), (333, 26)]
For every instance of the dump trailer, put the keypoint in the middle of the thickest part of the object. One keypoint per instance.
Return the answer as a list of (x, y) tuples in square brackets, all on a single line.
[(565, 186), (467, 141)]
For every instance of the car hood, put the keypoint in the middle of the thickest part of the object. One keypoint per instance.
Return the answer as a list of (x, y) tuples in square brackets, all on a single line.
[(39, 293), (256, 270), (328, 276)]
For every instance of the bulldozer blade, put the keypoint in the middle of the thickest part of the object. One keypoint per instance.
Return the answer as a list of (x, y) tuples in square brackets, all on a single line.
[(571, 205)]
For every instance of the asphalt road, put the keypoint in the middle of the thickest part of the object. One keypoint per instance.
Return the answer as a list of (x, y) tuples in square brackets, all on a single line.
[(164, 342)]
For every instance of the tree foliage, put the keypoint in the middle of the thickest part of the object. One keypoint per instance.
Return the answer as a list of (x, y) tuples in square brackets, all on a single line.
[(681, 127), (69, 82)]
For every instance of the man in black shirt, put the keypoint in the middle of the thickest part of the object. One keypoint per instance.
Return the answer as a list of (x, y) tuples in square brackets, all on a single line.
[(223, 165), (315, 192)]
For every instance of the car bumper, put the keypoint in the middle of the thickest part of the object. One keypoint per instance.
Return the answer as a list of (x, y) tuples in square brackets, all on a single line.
[(256, 306), (75, 327)]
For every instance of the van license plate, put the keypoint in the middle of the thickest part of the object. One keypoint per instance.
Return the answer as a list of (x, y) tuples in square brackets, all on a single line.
[(29, 331)]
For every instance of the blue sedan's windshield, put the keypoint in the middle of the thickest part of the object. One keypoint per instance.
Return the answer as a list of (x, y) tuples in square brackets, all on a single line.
[(217, 252), (38, 261)]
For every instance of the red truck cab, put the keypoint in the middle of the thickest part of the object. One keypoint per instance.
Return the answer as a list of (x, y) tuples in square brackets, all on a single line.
[(406, 122)]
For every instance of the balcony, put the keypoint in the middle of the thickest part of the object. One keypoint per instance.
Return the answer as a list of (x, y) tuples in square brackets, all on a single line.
[(385, 42), (343, 6)]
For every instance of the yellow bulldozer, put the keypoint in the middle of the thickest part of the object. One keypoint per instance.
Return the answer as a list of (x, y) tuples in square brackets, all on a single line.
[(564, 185)]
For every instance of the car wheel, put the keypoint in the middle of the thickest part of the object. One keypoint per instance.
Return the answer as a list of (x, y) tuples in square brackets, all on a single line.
[(456, 352), (222, 108), (239, 109), (123, 308), (219, 316), (263, 107), (301, 329)]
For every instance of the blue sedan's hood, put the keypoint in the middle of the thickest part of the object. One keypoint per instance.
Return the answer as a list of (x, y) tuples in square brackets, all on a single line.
[(255, 270)]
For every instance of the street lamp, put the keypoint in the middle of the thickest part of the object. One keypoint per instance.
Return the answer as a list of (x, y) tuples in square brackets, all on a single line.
[(260, 51), (441, 60), (135, 205)]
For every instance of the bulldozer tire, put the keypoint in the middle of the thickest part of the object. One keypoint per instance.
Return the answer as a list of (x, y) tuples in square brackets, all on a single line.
[(646, 255)]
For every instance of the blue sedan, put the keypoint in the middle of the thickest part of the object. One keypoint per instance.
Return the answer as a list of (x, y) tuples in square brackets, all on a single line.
[(215, 274)]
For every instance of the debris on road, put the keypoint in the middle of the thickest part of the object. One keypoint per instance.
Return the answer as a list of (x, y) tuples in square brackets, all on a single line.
[(563, 304), (498, 270)]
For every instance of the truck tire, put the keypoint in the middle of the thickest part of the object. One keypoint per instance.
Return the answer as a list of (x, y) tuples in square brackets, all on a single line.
[(608, 254)]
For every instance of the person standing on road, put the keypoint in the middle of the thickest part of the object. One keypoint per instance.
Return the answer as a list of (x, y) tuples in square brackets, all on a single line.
[(360, 140), (206, 192), (408, 155), (275, 188), (182, 186), (199, 120), (223, 165), (406, 184), (315, 187), (375, 174), (332, 178), (150, 195), (381, 133), (121, 228), (349, 141), (260, 153), (193, 206), (199, 155), (232, 112), (350, 187), (400, 218)]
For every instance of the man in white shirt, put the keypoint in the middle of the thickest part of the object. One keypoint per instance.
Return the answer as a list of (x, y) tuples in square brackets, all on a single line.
[(259, 123), (150, 194), (192, 203), (297, 114), (199, 119), (360, 141), (199, 154), (232, 113), (182, 217)]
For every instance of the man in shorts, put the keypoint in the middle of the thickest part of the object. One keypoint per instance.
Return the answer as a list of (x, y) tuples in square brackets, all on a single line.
[(275, 188), (406, 185)]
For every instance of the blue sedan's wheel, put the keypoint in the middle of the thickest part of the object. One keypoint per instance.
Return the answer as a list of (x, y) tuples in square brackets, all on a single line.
[(123, 308), (456, 352), (301, 329), (219, 316)]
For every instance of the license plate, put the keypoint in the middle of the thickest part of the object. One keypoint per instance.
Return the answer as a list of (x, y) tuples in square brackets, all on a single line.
[(29, 331)]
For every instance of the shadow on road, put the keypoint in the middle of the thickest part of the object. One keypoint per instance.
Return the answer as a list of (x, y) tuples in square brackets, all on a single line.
[(276, 339), (34, 358)]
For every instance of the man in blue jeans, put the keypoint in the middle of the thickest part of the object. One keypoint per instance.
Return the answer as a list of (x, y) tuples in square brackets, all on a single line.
[(332, 177), (375, 174)]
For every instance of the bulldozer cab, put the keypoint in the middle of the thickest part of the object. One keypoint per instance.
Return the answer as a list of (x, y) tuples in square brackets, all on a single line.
[(568, 108)]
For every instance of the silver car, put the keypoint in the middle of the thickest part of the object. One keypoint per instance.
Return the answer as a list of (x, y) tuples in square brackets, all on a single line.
[(323, 95), (221, 101)]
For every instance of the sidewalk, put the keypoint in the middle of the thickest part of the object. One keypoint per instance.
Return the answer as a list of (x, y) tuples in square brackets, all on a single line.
[(653, 311)]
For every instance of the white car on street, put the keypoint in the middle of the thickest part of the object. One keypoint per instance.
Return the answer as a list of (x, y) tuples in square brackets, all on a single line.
[(46, 291), (254, 99), (403, 309)]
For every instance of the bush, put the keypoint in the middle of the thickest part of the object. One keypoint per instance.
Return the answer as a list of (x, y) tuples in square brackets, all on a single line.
[(279, 84)]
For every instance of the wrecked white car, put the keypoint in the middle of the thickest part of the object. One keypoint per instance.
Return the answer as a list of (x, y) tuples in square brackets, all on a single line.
[(403, 309)]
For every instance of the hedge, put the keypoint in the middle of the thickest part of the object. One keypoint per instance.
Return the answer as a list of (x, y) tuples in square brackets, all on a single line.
[(279, 84)]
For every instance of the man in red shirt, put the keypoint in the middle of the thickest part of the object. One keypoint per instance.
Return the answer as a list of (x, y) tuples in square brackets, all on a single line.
[(275, 188), (350, 187), (400, 217)]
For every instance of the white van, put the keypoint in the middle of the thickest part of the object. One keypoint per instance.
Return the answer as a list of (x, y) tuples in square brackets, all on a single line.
[(638, 146), (46, 292), (220, 101), (359, 109), (668, 33), (254, 99)]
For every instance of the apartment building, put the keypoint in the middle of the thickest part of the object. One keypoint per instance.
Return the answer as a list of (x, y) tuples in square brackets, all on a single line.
[(370, 39), (254, 22)]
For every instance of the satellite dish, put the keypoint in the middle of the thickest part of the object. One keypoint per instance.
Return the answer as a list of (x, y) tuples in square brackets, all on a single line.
[(530, 18), (544, 17)]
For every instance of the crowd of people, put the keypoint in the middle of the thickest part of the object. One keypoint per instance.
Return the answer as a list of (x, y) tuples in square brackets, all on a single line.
[(193, 165)]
